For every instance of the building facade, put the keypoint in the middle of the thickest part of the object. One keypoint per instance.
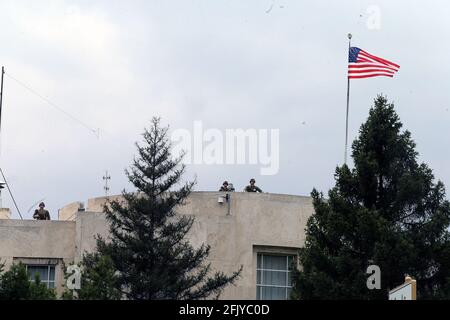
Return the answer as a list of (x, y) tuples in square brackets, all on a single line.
[(260, 232)]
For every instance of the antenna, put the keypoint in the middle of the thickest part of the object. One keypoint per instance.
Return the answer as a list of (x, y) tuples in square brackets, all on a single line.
[(106, 177), (35, 204)]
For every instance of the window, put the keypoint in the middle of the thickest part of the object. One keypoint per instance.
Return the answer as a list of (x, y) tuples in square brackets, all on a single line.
[(46, 274), (274, 277)]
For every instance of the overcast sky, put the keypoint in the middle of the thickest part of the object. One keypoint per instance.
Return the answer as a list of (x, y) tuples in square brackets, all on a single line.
[(262, 64)]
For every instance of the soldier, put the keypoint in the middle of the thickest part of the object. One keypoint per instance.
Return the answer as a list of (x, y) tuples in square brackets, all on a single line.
[(41, 213), (251, 187), (224, 186)]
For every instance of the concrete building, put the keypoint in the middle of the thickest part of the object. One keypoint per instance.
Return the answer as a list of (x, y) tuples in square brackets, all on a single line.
[(261, 232)]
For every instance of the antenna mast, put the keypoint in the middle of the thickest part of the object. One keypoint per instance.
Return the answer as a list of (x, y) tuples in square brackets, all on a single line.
[(106, 177)]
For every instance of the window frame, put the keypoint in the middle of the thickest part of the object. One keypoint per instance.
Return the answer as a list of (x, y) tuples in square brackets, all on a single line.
[(48, 281), (290, 256)]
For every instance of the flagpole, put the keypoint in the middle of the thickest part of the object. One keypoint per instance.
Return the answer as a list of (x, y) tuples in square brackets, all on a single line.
[(4, 183), (348, 100)]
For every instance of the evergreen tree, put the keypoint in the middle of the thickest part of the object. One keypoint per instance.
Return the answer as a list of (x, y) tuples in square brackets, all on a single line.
[(15, 285), (39, 290), (387, 211), (98, 279), (148, 246)]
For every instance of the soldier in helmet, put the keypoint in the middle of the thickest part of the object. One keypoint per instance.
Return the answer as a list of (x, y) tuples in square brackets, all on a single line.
[(224, 186), (41, 213), (252, 187)]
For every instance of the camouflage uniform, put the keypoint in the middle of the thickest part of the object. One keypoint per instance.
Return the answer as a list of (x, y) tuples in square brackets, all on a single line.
[(251, 188), (41, 214), (224, 186), (228, 188)]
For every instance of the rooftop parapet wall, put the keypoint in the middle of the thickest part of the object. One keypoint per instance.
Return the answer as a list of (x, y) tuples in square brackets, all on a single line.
[(265, 218), (69, 212), (39, 239), (275, 219), (207, 197), (5, 213)]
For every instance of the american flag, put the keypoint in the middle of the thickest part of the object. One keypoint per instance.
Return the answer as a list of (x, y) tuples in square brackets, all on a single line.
[(362, 64)]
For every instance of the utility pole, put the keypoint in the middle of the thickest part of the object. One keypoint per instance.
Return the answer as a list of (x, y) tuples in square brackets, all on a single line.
[(1, 97), (2, 183), (106, 177), (2, 186)]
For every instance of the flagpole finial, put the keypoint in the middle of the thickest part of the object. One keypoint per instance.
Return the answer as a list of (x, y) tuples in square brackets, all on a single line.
[(349, 36)]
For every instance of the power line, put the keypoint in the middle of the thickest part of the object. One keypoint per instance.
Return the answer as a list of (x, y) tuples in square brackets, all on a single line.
[(35, 204), (96, 132), (10, 193)]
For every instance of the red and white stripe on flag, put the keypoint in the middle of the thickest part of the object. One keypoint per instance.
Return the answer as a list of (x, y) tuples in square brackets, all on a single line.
[(365, 65)]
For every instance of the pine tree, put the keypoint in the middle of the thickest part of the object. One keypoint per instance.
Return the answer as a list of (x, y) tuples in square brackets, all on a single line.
[(39, 290), (98, 279), (148, 245), (387, 211), (15, 285)]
